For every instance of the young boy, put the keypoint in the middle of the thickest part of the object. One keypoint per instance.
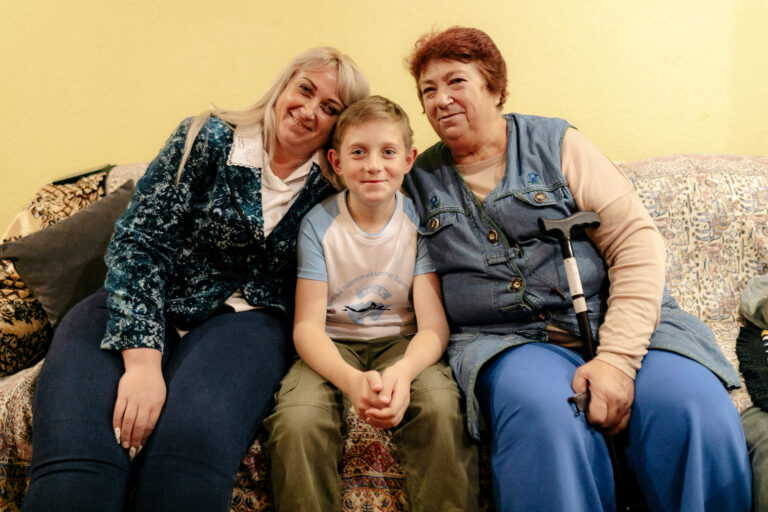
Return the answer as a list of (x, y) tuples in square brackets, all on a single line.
[(370, 329)]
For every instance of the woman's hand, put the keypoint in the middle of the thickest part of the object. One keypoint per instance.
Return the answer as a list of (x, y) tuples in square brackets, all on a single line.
[(140, 398), (611, 394)]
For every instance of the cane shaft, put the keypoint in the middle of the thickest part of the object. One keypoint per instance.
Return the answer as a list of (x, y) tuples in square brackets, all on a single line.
[(561, 228)]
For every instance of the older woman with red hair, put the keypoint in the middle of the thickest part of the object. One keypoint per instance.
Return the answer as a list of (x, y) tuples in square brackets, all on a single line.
[(658, 381)]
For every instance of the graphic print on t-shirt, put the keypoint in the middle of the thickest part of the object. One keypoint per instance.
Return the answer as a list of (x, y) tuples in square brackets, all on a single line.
[(368, 307)]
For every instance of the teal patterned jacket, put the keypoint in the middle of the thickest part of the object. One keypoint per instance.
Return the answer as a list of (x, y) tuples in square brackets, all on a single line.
[(179, 251)]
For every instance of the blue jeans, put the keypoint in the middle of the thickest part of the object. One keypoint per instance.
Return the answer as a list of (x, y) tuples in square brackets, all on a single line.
[(220, 381), (684, 441)]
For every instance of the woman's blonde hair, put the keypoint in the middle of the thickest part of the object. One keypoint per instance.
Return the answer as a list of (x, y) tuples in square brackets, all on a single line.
[(352, 86)]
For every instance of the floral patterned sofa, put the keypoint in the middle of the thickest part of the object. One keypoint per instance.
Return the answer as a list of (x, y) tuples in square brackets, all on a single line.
[(711, 209)]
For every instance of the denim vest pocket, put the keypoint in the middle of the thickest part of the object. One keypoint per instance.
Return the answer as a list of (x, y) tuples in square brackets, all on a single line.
[(538, 197), (508, 300), (436, 222), (439, 229), (517, 210)]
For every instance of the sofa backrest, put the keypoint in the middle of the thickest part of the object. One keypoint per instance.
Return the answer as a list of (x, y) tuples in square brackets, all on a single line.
[(712, 211)]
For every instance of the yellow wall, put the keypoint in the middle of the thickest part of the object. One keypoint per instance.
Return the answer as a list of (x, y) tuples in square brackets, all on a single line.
[(84, 83)]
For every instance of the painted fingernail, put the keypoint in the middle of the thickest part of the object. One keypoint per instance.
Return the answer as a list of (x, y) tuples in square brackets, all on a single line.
[(139, 450), (132, 452), (117, 434), (126, 444)]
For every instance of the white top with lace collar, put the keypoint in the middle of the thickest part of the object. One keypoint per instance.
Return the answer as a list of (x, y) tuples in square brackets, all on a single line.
[(277, 195)]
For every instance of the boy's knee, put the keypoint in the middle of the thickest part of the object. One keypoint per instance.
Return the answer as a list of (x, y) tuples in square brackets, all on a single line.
[(304, 431), (295, 422), (438, 403)]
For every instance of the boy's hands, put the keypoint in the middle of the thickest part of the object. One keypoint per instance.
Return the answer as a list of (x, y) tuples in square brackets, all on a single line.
[(395, 397), (380, 399), (140, 398), (363, 391)]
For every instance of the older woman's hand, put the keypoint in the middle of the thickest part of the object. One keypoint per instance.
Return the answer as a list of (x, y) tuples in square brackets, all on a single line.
[(611, 394)]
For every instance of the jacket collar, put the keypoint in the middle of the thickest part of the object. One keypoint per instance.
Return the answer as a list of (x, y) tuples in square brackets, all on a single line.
[(247, 147)]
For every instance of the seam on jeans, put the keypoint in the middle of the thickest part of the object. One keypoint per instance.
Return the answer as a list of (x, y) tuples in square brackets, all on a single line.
[(432, 388), (310, 404)]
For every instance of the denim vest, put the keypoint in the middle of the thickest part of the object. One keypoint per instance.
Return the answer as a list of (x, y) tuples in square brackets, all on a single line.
[(503, 281)]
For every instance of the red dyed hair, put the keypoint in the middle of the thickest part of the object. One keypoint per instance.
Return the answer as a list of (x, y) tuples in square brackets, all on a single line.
[(465, 45)]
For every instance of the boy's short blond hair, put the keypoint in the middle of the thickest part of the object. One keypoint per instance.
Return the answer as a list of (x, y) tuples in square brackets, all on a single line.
[(372, 108)]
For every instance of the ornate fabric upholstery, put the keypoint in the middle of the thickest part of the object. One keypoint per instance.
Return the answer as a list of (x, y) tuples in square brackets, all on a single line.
[(712, 211), (24, 329)]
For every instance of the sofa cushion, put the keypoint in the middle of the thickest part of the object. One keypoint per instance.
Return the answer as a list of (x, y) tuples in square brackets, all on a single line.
[(24, 328), (64, 263), (57, 201)]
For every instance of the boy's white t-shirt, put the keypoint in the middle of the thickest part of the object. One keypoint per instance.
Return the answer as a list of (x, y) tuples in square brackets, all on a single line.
[(369, 276)]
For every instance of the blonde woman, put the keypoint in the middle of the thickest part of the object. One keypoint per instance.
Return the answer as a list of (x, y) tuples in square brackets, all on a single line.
[(167, 372)]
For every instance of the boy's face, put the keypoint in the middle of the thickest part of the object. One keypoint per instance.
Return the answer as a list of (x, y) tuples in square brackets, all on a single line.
[(373, 160)]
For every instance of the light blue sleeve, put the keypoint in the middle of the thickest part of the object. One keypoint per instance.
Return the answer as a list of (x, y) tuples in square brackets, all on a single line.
[(314, 226), (424, 263)]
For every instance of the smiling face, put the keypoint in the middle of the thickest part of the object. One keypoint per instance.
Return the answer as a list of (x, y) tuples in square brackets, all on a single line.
[(372, 158), (457, 101), (305, 113)]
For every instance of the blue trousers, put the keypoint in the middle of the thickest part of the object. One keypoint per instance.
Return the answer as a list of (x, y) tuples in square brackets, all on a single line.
[(220, 381), (684, 440)]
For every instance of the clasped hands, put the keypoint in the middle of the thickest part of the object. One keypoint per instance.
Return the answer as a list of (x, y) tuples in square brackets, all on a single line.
[(381, 399)]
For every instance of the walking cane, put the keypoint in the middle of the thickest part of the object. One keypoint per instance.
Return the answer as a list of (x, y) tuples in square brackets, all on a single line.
[(561, 229)]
